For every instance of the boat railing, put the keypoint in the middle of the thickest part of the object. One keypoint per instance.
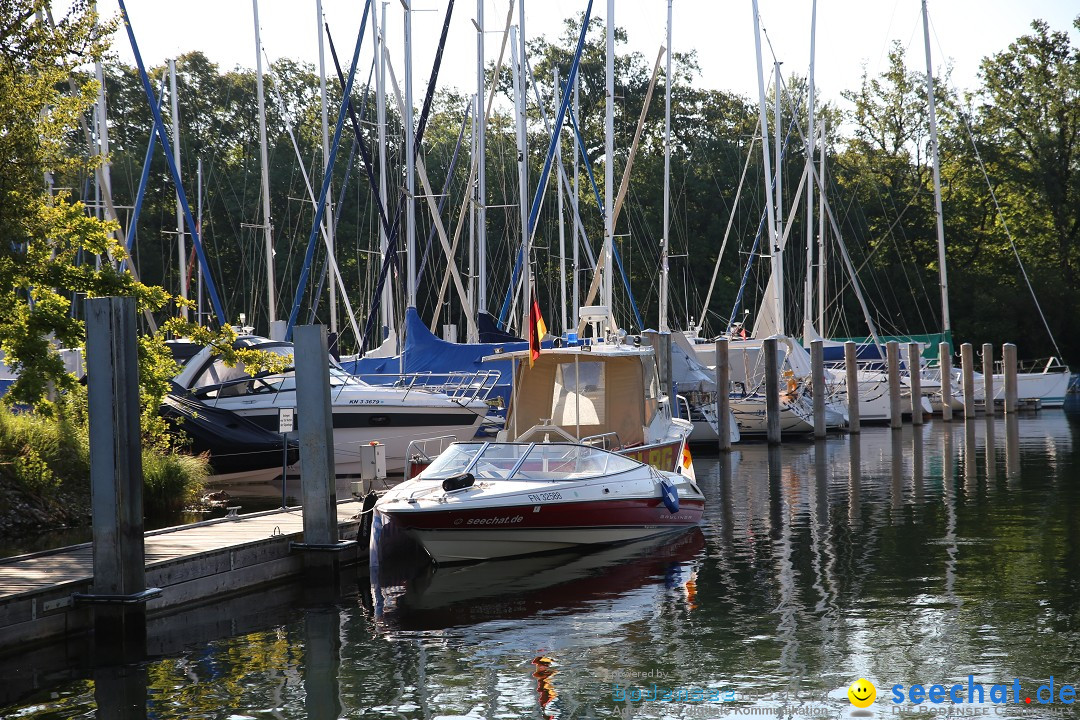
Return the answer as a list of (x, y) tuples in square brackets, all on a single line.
[(461, 385), (420, 453), (1040, 366), (603, 440)]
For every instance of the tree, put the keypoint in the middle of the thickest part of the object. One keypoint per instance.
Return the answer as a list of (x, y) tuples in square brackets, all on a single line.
[(43, 235), (1031, 115)]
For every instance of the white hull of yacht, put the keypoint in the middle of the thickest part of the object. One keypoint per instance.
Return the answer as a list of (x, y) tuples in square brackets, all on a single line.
[(796, 417), (1049, 388), (394, 427)]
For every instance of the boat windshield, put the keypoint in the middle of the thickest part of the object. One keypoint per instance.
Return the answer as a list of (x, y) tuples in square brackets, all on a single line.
[(524, 461)]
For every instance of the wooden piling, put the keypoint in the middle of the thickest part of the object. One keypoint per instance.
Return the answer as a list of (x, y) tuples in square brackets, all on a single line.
[(915, 381), (723, 395), (851, 367), (945, 363), (892, 353), (1012, 390), (316, 431), (817, 376), (116, 480), (772, 391), (988, 377), (967, 376), (118, 593)]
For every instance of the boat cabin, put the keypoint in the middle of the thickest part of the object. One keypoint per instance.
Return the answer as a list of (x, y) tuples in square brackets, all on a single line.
[(610, 391)]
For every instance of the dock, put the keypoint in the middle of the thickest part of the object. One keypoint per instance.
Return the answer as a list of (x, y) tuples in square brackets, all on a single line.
[(191, 563)]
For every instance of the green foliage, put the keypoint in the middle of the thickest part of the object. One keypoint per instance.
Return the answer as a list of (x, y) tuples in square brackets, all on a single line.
[(42, 452), (171, 481)]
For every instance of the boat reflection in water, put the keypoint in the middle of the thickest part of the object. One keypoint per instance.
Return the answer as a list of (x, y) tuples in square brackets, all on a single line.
[(630, 575)]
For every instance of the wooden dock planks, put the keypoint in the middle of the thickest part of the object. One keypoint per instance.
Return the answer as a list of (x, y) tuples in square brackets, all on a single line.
[(39, 571)]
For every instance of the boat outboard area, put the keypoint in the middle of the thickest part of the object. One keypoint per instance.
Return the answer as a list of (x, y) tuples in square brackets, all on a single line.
[(395, 414), (484, 500)]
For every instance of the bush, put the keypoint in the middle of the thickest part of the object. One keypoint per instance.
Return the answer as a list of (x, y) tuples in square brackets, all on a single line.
[(44, 454), (40, 453), (171, 481)]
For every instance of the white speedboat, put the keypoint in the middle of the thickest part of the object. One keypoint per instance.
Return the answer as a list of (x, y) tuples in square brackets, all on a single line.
[(479, 501), (394, 415)]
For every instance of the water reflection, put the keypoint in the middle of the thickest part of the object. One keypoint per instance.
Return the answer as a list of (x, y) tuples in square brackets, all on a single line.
[(918, 555)]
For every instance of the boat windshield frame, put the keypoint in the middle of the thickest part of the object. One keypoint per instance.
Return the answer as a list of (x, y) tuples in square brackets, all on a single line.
[(528, 461)]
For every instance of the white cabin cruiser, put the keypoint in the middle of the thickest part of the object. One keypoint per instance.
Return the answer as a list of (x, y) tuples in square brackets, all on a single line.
[(394, 415)]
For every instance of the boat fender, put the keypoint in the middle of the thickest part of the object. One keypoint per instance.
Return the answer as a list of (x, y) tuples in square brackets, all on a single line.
[(458, 482), (670, 495)]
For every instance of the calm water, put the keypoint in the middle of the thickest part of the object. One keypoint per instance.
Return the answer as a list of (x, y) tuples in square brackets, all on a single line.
[(910, 557)]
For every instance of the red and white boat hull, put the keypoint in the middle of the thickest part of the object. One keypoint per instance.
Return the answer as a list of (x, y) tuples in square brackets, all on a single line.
[(486, 533), (519, 499)]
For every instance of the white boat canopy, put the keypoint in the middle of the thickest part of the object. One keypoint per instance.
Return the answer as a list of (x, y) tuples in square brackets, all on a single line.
[(527, 461)]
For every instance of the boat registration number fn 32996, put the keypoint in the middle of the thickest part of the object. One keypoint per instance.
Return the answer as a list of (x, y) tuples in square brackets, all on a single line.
[(541, 497)]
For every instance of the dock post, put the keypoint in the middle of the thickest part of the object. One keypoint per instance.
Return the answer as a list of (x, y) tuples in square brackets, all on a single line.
[(119, 591), (318, 487), (915, 381), (945, 363), (772, 391), (817, 375), (723, 395), (851, 367), (892, 353), (967, 371), (988, 377), (1012, 390)]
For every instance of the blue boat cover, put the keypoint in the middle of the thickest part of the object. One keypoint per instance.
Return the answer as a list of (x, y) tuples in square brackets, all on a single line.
[(424, 352)]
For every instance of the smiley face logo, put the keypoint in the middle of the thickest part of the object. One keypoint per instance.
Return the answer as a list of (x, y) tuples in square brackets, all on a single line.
[(862, 693)]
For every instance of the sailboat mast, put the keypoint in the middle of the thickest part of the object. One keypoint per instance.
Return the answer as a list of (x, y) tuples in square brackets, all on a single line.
[(481, 165), (181, 245), (946, 324), (778, 181), (523, 188), (821, 237), (665, 243), (410, 167), (264, 165), (808, 299), (609, 159), (577, 234), (470, 286), (386, 306), (198, 230), (329, 214), (523, 144), (774, 240), (557, 100)]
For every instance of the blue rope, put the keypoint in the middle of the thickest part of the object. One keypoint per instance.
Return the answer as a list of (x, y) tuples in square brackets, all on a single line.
[(159, 125), (534, 211), (133, 225), (327, 175)]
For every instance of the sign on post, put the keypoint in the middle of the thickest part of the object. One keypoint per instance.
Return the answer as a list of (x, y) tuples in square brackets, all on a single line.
[(286, 419)]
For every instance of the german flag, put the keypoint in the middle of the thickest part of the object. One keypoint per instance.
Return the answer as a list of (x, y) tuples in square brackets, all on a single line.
[(537, 329)]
